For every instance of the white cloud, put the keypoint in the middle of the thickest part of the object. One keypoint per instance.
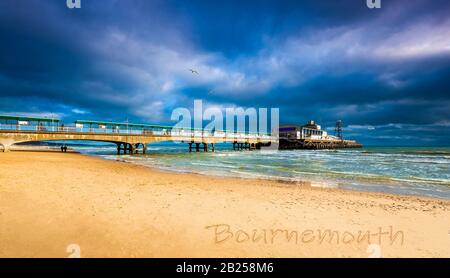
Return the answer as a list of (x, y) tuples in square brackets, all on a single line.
[(79, 111)]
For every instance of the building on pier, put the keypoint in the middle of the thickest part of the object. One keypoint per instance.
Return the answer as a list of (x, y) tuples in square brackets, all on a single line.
[(311, 136), (309, 131)]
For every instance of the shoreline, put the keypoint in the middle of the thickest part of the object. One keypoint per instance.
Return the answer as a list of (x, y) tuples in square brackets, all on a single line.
[(119, 209), (308, 183), (368, 186), (325, 183), (277, 182)]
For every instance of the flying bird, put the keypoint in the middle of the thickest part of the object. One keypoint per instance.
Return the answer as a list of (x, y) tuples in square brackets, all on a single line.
[(193, 71)]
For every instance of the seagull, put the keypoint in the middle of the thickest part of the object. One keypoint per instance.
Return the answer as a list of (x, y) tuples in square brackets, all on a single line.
[(210, 92), (193, 71)]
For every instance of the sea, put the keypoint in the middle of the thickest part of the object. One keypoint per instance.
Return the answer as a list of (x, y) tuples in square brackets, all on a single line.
[(419, 171)]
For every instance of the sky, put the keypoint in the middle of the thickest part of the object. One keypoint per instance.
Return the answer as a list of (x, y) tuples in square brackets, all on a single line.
[(384, 72)]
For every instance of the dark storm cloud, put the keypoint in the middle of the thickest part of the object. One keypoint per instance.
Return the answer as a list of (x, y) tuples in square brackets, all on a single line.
[(388, 69)]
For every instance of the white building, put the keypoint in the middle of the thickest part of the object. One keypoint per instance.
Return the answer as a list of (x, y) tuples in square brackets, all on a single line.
[(309, 131)]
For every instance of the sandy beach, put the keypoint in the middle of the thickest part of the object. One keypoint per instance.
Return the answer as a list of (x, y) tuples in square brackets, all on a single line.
[(51, 202)]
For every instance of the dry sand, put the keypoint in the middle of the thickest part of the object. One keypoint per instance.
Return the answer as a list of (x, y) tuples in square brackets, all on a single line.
[(49, 201)]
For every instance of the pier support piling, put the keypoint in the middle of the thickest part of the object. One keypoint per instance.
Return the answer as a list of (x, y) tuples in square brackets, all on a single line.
[(201, 146), (6, 148), (140, 147), (144, 149), (130, 149), (119, 148)]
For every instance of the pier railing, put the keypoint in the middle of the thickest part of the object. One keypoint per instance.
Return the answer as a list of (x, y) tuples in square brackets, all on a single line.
[(123, 130)]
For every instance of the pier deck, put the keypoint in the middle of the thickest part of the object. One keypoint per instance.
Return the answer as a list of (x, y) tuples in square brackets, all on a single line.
[(129, 140), (317, 144)]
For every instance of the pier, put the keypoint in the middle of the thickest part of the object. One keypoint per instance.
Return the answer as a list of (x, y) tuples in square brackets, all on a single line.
[(130, 138)]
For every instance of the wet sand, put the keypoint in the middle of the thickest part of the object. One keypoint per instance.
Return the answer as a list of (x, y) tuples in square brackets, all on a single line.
[(54, 202)]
